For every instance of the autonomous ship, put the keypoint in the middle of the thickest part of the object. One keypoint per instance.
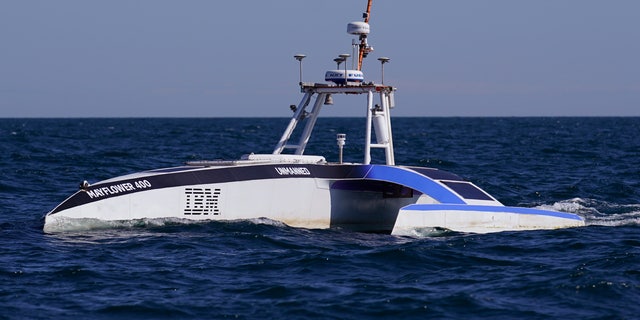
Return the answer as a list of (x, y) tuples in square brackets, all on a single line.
[(309, 191)]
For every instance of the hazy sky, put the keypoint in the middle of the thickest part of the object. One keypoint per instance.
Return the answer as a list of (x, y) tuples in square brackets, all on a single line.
[(150, 58)]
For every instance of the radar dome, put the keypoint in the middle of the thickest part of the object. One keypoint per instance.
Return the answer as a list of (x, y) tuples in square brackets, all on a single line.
[(358, 27), (339, 76)]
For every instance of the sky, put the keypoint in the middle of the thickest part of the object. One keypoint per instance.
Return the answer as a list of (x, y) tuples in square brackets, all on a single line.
[(206, 58)]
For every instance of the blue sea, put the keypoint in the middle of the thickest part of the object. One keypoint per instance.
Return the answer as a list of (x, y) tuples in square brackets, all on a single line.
[(264, 269)]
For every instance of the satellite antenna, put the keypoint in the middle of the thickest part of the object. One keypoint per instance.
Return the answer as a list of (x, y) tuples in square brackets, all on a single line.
[(383, 60), (299, 57)]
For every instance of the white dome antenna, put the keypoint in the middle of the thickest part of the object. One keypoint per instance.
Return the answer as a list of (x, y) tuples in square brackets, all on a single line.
[(358, 28)]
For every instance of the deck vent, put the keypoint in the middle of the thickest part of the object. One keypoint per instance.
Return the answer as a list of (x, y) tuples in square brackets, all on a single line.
[(201, 201)]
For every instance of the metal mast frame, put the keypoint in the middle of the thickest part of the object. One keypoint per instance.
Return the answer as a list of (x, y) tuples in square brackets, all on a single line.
[(382, 112)]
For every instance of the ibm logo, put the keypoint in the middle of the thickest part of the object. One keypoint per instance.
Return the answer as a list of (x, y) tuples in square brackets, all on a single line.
[(201, 201)]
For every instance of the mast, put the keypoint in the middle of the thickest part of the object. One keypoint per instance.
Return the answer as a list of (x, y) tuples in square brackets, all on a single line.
[(364, 47), (348, 82)]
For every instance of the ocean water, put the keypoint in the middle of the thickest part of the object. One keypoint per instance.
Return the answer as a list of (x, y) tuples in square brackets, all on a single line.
[(265, 269)]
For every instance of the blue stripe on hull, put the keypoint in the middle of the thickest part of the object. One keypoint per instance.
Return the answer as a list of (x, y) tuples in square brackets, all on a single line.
[(415, 181), (478, 208)]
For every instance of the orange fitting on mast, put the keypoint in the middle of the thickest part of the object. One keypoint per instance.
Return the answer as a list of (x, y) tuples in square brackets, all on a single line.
[(368, 12)]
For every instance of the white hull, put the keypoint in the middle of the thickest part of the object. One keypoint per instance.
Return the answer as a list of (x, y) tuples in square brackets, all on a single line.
[(368, 198), (480, 219), (305, 206)]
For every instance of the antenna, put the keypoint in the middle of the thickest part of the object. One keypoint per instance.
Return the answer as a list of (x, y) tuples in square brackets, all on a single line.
[(383, 60), (344, 56), (299, 57), (354, 47)]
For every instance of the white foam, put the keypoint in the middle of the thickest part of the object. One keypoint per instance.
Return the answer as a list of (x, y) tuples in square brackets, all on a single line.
[(72, 225), (65, 224), (267, 221), (599, 213), (423, 232)]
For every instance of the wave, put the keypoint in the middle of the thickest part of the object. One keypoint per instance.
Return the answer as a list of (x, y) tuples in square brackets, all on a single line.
[(599, 213)]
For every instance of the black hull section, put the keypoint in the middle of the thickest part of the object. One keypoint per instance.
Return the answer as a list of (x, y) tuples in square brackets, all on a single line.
[(191, 175)]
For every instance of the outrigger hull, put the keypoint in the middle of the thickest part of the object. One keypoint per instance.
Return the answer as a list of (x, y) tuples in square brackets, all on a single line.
[(480, 219), (366, 198)]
